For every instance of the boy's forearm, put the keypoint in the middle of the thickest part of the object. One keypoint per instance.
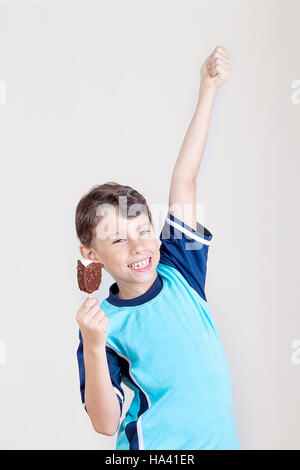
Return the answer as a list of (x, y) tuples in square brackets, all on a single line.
[(189, 159), (100, 398)]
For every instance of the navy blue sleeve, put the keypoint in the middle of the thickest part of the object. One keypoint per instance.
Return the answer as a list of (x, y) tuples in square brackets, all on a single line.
[(186, 249), (114, 369)]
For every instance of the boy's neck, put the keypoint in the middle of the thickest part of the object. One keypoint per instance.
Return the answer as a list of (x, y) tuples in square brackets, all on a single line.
[(131, 290)]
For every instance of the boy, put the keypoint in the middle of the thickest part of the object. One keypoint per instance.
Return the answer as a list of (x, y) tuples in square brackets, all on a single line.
[(154, 332)]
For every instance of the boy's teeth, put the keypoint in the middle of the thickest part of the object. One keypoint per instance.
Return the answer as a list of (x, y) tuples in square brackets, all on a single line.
[(142, 264)]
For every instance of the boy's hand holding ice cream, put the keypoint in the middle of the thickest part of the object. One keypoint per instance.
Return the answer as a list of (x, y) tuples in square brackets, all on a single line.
[(93, 323), (91, 319)]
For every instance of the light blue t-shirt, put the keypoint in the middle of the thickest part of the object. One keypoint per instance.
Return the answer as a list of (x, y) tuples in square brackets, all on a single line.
[(165, 347)]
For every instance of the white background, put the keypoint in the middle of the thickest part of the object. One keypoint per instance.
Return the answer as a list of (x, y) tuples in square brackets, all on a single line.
[(105, 91)]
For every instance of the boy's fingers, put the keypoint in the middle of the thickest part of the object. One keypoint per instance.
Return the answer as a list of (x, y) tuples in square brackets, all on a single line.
[(97, 317), (221, 50), (89, 301), (87, 304), (103, 320), (220, 55), (220, 60), (90, 313)]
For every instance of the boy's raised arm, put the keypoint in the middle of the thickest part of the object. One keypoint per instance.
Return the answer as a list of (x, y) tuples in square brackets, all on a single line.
[(182, 197)]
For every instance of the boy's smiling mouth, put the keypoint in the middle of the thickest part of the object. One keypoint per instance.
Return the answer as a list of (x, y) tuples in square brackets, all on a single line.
[(143, 265)]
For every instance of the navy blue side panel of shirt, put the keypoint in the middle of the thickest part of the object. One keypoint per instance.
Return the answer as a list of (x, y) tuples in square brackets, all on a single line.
[(186, 250), (115, 370)]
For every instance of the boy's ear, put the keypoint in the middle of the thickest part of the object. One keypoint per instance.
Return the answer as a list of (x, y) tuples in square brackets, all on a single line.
[(88, 254)]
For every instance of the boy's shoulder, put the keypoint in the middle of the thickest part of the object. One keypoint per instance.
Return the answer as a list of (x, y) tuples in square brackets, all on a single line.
[(186, 250)]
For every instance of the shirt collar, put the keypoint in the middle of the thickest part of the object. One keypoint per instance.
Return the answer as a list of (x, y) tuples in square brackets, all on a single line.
[(141, 299)]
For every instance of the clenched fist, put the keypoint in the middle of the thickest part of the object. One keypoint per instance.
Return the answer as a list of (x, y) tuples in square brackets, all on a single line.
[(93, 323), (216, 69)]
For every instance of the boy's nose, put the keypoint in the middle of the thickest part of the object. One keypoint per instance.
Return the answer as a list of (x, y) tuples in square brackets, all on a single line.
[(136, 246)]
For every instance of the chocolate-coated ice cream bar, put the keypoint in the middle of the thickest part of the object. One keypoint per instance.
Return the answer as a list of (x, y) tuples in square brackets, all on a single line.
[(89, 277)]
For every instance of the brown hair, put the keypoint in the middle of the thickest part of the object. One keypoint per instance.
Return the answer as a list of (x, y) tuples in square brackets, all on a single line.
[(86, 217)]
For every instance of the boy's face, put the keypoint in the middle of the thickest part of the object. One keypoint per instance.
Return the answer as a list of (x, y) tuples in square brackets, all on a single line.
[(120, 242)]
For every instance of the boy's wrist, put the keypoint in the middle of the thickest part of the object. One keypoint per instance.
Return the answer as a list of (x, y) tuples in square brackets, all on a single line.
[(94, 351), (207, 91)]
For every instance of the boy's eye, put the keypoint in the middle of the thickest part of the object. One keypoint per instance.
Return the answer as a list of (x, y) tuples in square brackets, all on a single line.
[(119, 239), (145, 231)]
